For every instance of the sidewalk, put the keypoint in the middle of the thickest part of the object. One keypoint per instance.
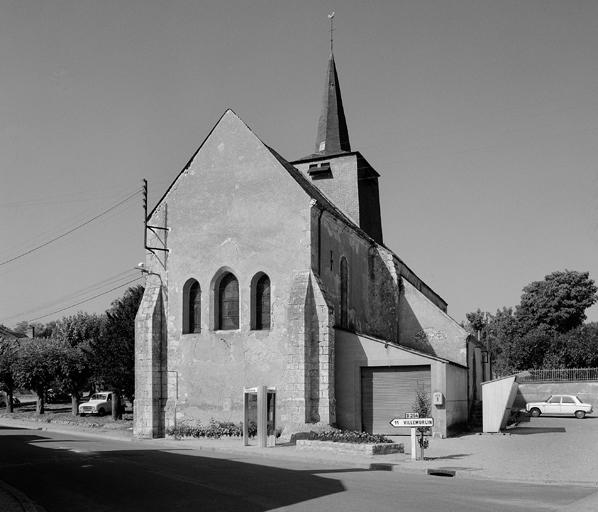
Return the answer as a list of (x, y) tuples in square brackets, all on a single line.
[(509, 457)]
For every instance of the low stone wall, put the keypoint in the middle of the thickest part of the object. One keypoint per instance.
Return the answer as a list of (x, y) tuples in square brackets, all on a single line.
[(537, 391), (351, 448)]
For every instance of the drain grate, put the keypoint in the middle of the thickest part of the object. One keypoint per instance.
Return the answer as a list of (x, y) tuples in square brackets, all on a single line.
[(442, 472), (380, 466)]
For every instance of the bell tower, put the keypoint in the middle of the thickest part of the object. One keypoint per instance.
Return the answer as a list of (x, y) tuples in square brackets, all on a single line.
[(344, 176)]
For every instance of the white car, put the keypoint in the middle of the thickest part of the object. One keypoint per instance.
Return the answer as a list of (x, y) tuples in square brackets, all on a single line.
[(568, 405), (99, 403)]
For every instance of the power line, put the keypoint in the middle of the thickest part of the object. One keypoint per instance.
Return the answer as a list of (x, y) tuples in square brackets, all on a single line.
[(6, 252), (75, 295), (71, 230), (85, 300)]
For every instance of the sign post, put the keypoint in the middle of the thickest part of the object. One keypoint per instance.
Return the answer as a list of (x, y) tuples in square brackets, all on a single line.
[(413, 421)]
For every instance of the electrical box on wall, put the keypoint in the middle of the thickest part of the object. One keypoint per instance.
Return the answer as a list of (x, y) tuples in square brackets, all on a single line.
[(437, 398)]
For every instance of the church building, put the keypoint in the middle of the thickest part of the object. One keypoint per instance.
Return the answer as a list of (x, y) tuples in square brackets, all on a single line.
[(268, 272)]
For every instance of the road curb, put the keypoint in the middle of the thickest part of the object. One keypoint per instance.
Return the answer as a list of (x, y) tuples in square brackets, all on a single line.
[(66, 429)]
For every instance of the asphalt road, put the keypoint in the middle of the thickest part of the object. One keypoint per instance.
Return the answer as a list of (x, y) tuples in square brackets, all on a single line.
[(64, 473)]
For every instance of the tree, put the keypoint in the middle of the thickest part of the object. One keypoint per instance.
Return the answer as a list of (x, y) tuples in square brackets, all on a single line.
[(477, 321), (79, 328), (36, 367), (73, 370), (8, 358), (559, 301), (43, 330), (114, 351), (577, 348), (503, 331), (21, 327), (545, 330), (531, 347), (40, 330)]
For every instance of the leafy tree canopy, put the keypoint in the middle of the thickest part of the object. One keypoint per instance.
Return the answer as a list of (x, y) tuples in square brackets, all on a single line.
[(73, 371), (546, 329), (559, 301), (8, 354), (36, 366), (41, 330), (114, 352), (476, 320), (21, 327), (79, 328)]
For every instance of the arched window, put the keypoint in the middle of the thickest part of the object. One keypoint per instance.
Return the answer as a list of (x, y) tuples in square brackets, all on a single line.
[(228, 302), (191, 307), (260, 298), (344, 293)]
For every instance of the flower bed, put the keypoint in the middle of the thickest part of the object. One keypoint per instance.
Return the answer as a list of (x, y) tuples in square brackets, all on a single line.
[(213, 430), (348, 442), (351, 448), (348, 436)]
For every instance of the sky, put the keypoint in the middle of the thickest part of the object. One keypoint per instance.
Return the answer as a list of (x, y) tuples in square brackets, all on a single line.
[(480, 115)]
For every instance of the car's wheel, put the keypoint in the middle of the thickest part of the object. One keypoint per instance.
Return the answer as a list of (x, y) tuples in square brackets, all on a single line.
[(535, 412), (82, 414), (580, 414), (101, 412)]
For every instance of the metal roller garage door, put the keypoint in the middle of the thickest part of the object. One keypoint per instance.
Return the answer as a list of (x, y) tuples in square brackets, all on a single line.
[(389, 392)]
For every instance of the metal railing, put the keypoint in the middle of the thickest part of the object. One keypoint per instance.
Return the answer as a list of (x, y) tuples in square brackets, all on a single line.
[(558, 374)]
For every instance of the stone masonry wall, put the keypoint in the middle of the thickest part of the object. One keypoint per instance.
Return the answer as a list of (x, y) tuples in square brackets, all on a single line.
[(373, 296), (309, 382), (235, 209), (342, 188), (149, 368)]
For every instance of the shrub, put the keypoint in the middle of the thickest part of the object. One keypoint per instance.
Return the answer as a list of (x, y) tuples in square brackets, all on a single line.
[(213, 430), (423, 406), (348, 436)]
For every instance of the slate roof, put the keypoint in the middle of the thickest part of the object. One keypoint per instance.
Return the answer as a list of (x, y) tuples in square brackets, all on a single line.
[(333, 134)]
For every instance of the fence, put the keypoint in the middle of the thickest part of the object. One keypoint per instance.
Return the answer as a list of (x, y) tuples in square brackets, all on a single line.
[(558, 375)]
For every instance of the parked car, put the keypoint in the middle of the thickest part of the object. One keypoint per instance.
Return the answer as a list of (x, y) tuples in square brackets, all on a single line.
[(567, 405), (99, 403)]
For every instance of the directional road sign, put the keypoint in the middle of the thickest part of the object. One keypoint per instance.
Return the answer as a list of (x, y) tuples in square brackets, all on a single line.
[(413, 423)]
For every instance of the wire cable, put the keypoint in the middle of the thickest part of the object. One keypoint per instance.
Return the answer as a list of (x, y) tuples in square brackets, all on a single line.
[(75, 295), (71, 230), (85, 300)]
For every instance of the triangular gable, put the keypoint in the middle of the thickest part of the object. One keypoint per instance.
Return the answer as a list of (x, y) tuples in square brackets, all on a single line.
[(312, 191)]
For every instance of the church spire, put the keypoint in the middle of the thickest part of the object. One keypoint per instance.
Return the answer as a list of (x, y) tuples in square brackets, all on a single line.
[(333, 135)]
